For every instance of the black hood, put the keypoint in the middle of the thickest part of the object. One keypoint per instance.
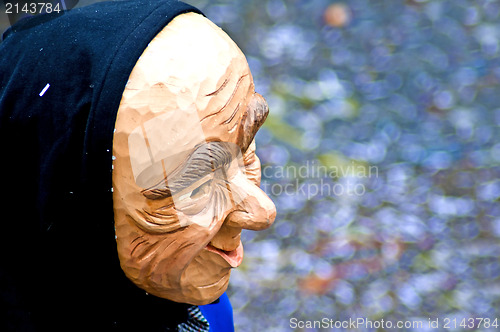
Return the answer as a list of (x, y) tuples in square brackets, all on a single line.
[(61, 80)]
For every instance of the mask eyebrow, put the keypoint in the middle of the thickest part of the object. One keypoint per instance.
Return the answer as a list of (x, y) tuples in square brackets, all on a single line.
[(205, 159)]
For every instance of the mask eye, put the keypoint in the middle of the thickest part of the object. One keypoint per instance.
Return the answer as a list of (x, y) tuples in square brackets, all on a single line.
[(201, 190)]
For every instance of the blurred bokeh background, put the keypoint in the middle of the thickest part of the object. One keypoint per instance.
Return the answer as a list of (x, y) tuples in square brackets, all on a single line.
[(407, 91), (382, 154)]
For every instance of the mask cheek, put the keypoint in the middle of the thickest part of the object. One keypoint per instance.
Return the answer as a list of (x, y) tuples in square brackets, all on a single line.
[(155, 219), (205, 218)]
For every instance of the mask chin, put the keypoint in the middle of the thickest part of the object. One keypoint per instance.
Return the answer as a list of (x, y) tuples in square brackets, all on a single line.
[(204, 280)]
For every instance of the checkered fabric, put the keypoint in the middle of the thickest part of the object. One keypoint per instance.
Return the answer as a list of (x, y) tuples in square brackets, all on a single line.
[(196, 322)]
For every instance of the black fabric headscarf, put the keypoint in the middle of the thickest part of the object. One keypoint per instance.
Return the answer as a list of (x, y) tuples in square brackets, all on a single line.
[(61, 82)]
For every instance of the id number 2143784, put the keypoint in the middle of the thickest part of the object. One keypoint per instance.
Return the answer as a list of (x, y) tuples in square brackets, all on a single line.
[(32, 8)]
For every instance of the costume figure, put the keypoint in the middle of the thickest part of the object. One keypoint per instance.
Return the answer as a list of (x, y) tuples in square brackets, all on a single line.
[(127, 130)]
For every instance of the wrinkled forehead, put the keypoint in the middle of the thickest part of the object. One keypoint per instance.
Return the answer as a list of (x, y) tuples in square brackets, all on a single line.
[(177, 83), (182, 65)]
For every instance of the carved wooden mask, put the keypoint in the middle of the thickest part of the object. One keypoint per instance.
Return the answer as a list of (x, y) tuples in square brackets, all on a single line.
[(185, 174)]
